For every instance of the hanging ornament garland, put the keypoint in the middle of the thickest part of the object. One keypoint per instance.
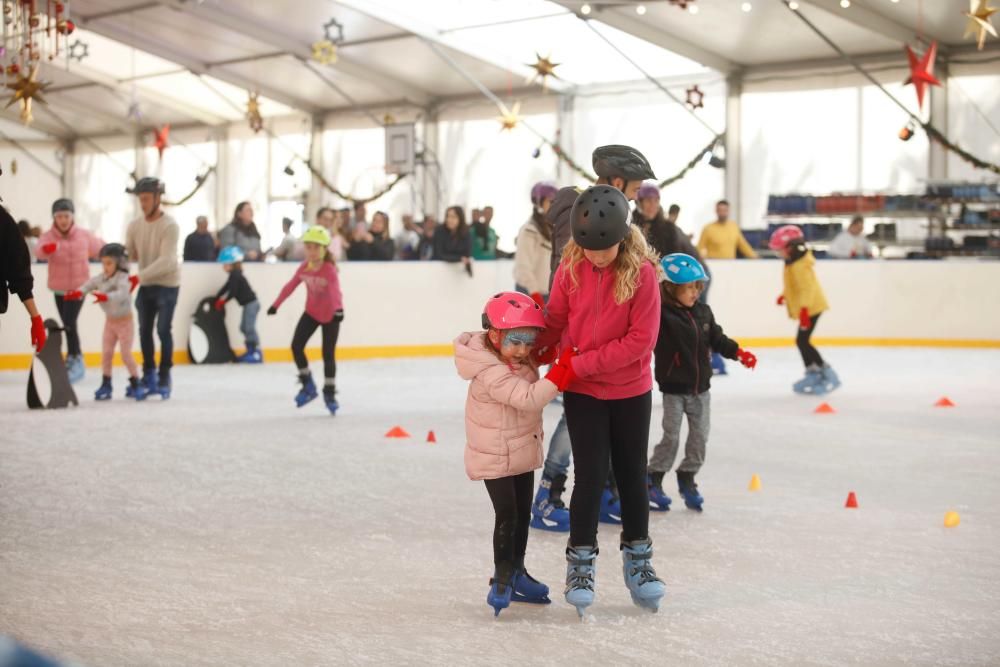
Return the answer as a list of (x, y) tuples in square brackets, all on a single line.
[(694, 98), (544, 68), (253, 112), (683, 4), (27, 89), (922, 71), (979, 22)]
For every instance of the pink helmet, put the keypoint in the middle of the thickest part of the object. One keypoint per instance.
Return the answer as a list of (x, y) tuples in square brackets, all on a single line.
[(510, 310), (784, 235), (541, 191), (648, 190)]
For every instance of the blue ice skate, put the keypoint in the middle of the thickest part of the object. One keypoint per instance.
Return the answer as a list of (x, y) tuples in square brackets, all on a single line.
[(501, 590), (251, 356), (581, 567), (103, 392), (659, 501), (611, 508), (307, 392), (548, 511), (528, 589), (136, 390), (645, 587), (811, 384), (150, 382), (689, 490), (830, 380), (718, 365), (74, 368), (163, 386)]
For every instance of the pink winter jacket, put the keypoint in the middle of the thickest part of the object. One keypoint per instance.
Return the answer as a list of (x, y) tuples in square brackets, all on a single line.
[(503, 412), (68, 264), (614, 342)]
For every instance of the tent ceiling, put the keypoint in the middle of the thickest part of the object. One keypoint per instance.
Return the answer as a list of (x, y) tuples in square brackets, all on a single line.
[(192, 61)]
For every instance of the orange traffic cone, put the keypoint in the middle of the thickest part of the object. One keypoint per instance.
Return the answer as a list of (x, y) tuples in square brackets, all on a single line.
[(944, 402), (431, 437), (824, 409), (951, 519), (852, 501), (397, 432)]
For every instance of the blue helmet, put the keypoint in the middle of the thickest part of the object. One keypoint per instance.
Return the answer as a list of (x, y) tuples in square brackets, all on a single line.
[(682, 269), (230, 255)]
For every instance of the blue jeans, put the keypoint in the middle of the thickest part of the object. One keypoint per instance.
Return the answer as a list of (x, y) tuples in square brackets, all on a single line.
[(155, 305), (248, 324), (560, 450)]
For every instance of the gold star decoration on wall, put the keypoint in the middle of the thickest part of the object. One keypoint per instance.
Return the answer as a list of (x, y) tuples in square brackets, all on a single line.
[(27, 89), (979, 21), (544, 68)]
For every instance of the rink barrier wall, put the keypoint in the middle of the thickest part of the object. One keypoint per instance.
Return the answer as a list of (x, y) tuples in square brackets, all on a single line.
[(415, 309)]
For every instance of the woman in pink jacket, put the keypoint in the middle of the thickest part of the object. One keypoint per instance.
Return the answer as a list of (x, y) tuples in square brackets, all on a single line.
[(605, 304), (503, 427), (68, 247), (324, 309)]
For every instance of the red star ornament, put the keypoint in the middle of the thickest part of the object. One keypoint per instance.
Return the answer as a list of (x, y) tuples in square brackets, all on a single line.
[(922, 71), (160, 139)]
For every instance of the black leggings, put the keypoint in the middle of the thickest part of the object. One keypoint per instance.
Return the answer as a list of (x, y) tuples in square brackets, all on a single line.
[(69, 312), (603, 433), (303, 330), (511, 498), (810, 355)]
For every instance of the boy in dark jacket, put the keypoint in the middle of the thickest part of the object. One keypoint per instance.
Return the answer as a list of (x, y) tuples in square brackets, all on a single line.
[(15, 275), (683, 370), (238, 288)]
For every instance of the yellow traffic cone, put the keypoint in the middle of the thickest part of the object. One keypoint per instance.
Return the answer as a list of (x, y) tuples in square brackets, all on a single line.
[(755, 483)]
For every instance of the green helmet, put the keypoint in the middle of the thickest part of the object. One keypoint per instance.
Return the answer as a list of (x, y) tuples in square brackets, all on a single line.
[(317, 234)]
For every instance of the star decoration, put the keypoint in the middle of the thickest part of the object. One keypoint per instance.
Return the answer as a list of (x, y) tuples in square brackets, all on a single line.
[(26, 89), (134, 112), (695, 99), (979, 21), (160, 139), (333, 31), (544, 68), (13, 167), (324, 52), (253, 113), (78, 50), (922, 71), (509, 118)]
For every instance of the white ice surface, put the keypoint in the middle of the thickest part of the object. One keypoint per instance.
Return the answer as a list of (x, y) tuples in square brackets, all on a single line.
[(225, 527)]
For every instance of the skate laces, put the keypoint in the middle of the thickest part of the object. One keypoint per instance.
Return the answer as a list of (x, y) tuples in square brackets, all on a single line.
[(581, 576), (641, 567)]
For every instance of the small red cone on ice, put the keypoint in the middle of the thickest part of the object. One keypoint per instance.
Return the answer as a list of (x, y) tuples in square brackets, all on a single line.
[(944, 402), (852, 501), (824, 409), (397, 432), (431, 437)]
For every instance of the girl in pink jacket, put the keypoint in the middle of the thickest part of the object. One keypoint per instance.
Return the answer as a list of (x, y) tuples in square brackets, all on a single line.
[(605, 304), (324, 308), (68, 247), (503, 427)]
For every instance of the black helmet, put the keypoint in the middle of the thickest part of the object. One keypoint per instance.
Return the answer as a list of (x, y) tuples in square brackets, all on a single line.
[(600, 217), (63, 204), (118, 252), (623, 162), (148, 184)]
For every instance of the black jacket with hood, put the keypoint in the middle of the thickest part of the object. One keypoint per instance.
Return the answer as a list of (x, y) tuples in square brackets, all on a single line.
[(684, 346)]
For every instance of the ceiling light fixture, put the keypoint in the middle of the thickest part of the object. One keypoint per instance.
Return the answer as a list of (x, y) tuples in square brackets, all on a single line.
[(845, 3), (693, 9), (585, 9), (640, 9), (794, 6), (746, 6)]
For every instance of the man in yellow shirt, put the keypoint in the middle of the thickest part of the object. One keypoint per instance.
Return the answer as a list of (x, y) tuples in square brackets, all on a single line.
[(721, 239)]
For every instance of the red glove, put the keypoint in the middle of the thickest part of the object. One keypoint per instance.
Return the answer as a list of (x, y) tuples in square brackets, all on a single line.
[(562, 374), (73, 295), (545, 356), (804, 321), (746, 358), (48, 248), (781, 300), (37, 333), (537, 298), (100, 297), (220, 303), (134, 281)]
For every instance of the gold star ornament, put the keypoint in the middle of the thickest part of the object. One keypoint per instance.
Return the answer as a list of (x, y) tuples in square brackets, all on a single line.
[(253, 113), (26, 89), (509, 118), (544, 68), (324, 52), (979, 22)]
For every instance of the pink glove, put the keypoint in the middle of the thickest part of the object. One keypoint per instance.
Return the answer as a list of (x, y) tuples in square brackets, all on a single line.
[(562, 374), (100, 297), (73, 295), (746, 358), (804, 321), (37, 333)]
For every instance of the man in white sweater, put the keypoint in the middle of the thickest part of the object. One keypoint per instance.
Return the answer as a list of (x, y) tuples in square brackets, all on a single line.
[(851, 243), (151, 240)]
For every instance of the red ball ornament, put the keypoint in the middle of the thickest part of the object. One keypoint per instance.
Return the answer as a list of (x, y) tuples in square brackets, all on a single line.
[(65, 27), (13, 68)]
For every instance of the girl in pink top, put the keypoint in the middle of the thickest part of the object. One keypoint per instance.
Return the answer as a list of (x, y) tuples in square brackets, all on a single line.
[(68, 247), (324, 308), (503, 428), (605, 304)]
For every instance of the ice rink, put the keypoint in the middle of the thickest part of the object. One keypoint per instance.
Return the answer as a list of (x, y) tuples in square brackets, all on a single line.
[(225, 527)]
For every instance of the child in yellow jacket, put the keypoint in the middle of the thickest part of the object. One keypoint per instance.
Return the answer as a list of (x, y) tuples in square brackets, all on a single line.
[(803, 297)]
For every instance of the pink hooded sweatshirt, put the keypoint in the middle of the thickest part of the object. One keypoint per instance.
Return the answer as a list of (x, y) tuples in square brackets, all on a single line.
[(503, 412), (68, 264), (323, 297), (614, 342)]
